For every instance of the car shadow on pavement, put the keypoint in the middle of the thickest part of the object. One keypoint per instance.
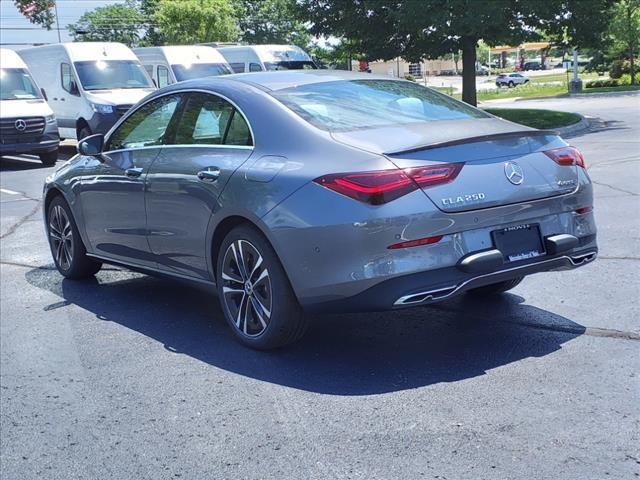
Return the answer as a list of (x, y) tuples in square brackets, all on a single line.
[(356, 354)]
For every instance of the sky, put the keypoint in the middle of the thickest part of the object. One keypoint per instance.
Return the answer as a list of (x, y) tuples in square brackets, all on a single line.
[(16, 29)]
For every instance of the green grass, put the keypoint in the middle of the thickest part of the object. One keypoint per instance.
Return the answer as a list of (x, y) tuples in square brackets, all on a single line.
[(562, 77), (620, 88), (536, 118), (523, 91)]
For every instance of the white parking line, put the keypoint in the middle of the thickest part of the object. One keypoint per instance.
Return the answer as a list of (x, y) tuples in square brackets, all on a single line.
[(10, 192)]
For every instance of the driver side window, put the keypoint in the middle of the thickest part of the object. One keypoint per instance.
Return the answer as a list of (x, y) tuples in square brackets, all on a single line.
[(146, 126)]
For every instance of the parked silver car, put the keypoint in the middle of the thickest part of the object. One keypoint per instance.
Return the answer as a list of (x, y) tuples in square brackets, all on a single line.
[(320, 191), (511, 80)]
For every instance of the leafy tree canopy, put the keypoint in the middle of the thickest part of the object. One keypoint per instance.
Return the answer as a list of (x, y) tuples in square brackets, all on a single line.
[(113, 23), (39, 12), (271, 21), (196, 21)]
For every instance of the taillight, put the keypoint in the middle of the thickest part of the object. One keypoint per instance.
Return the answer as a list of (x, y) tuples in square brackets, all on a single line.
[(383, 186), (566, 156)]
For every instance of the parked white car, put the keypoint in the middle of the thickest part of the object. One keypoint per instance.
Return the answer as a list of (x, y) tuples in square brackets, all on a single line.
[(260, 58), (89, 85), (171, 64), (511, 80), (27, 124)]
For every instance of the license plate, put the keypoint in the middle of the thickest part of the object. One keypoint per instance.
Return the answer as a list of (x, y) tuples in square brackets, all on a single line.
[(519, 243)]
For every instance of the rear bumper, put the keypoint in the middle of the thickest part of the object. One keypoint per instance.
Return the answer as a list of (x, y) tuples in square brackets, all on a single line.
[(437, 285)]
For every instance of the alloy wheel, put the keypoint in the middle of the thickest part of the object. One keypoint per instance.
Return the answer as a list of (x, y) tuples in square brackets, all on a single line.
[(246, 288), (61, 235)]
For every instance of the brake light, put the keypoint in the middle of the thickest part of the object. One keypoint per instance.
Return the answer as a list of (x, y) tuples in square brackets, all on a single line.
[(416, 243), (566, 156), (583, 210), (382, 186)]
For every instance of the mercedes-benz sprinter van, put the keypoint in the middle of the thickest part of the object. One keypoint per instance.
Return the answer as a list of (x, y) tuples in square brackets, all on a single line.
[(27, 124), (171, 64), (258, 58), (89, 85)]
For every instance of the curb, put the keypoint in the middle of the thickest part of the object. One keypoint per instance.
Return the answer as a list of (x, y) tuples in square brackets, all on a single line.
[(580, 126)]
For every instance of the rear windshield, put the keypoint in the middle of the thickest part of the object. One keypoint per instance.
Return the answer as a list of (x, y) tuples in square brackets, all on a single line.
[(112, 74), (199, 70), (360, 104), (16, 84)]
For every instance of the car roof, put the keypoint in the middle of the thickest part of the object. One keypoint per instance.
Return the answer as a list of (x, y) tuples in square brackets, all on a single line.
[(282, 79)]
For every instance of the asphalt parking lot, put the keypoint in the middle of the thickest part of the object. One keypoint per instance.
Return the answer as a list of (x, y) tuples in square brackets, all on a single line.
[(127, 376)]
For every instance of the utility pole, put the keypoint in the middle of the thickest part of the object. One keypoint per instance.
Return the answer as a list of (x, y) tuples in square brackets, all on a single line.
[(55, 8)]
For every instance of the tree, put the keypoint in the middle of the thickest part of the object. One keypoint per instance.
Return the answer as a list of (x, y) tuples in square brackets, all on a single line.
[(625, 31), (416, 30), (272, 21), (114, 23), (196, 21), (38, 12)]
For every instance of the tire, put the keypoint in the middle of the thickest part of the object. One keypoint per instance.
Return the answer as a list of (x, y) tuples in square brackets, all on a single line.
[(49, 159), (84, 132), (496, 288), (67, 249), (511, 85), (264, 312)]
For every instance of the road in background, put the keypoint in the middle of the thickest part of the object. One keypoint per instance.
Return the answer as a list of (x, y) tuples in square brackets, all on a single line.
[(127, 376)]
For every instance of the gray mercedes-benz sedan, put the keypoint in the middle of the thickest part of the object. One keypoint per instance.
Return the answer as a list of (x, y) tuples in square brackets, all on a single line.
[(320, 191)]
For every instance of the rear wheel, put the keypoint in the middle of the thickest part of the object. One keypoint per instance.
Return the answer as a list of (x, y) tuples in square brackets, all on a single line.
[(67, 249), (84, 132), (496, 288), (255, 294), (511, 84), (49, 159)]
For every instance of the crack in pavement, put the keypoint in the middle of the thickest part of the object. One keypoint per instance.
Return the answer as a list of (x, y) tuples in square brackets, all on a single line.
[(615, 188), (601, 257), (20, 222)]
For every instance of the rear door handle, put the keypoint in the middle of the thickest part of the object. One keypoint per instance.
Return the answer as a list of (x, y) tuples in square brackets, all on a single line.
[(133, 172), (209, 174)]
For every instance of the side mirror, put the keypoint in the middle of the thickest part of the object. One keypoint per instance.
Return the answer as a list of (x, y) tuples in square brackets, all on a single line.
[(44, 94), (92, 146)]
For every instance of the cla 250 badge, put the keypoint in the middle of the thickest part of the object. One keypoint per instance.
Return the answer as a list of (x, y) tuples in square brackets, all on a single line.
[(463, 199)]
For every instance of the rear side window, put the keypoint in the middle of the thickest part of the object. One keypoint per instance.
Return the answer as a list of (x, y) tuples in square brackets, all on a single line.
[(361, 104), (147, 126), (237, 67), (163, 76), (211, 120), (66, 77), (255, 67)]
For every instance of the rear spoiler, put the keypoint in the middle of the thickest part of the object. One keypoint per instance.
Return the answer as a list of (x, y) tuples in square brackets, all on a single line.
[(481, 138)]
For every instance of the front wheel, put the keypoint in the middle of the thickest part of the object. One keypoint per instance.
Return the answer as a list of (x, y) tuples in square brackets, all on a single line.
[(49, 159), (67, 249), (497, 288), (511, 84), (255, 294)]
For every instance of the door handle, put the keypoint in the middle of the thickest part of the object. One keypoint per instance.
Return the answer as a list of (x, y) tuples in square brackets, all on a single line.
[(210, 174), (133, 172)]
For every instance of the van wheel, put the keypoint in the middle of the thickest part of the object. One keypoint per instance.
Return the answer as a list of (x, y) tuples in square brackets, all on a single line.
[(84, 132), (49, 159), (254, 291), (496, 288)]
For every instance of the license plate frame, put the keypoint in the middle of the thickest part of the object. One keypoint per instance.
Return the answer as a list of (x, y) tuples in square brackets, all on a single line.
[(520, 242)]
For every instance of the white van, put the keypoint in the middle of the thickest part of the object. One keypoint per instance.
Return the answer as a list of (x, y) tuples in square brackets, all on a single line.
[(88, 85), (258, 58), (171, 64), (27, 124)]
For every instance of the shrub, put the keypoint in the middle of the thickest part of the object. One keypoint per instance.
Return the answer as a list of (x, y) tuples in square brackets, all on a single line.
[(619, 68), (410, 77), (612, 82)]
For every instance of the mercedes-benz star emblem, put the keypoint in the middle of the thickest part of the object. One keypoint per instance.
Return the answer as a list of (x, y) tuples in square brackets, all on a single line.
[(20, 125), (514, 173)]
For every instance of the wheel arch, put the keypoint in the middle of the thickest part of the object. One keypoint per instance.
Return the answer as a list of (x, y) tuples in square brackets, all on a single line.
[(80, 124)]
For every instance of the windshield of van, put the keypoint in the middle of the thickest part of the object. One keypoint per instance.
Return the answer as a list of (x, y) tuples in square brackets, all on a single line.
[(111, 74), (199, 70), (360, 104), (16, 84), (291, 65)]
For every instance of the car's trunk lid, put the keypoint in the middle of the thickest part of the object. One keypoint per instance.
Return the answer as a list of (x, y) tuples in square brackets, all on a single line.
[(503, 162)]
